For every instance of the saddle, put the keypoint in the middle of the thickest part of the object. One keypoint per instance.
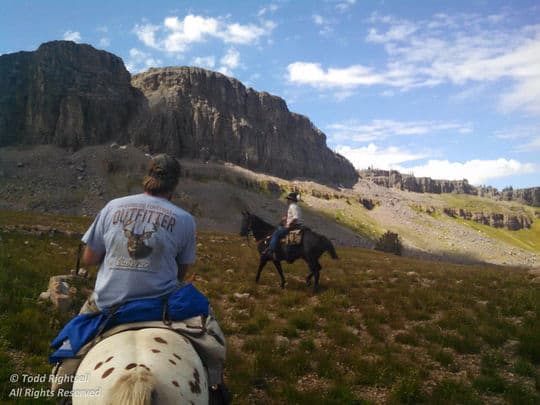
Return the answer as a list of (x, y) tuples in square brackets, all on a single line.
[(294, 237)]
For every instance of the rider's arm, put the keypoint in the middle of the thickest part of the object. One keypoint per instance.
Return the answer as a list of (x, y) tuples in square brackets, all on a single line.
[(91, 257)]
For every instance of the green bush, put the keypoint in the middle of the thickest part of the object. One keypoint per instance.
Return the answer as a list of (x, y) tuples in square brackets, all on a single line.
[(389, 243)]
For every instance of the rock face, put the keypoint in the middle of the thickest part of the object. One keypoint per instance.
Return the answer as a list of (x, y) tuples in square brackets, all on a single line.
[(197, 113), (65, 94), (395, 179), (512, 222), (529, 196), (73, 95)]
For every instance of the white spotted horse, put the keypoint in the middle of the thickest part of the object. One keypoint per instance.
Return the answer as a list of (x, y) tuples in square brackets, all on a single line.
[(310, 250), (144, 366)]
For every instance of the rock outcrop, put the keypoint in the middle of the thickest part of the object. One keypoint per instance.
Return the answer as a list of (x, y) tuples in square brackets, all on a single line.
[(395, 179), (528, 196), (512, 222), (197, 113), (65, 94), (72, 95)]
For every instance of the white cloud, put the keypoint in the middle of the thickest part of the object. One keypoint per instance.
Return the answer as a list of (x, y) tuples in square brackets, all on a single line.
[(314, 75), (242, 34), (176, 35), (139, 61), (382, 129), (476, 171), (319, 20), (272, 8), (380, 158), (231, 59), (521, 138), (524, 95), (344, 5), (147, 34), (531, 146), (104, 42), (225, 70), (325, 24), (208, 62), (462, 50), (74, 36), (398, 32)]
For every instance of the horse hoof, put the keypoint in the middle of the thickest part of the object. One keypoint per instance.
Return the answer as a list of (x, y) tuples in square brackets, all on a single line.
[(282, 286)]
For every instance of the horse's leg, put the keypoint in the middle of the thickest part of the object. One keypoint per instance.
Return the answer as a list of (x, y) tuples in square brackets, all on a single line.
[(316, 271), (277, 264), (262, 263), (308, 278), (314, 268)]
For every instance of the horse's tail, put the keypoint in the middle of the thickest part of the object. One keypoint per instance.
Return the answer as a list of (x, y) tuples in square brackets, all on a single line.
[(135, 388), (330, 249)]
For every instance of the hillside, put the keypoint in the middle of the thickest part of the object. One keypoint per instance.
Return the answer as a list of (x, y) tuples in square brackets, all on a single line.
[(50, 179), (382, 330)]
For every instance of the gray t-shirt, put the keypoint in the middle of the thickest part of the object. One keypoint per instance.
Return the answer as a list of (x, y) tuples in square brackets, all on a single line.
[(144, 239)]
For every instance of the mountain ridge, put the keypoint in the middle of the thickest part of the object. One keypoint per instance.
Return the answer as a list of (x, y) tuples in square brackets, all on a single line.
[(394, 179), (73, 95)]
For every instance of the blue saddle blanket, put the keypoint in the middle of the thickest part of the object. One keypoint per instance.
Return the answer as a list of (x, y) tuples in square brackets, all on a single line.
[(184, 303)]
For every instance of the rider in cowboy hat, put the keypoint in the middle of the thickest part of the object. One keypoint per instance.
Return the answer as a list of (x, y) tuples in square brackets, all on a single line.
[(292, 220)]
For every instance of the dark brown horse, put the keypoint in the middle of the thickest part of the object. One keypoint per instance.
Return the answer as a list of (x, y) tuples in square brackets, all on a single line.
[(312, 247)]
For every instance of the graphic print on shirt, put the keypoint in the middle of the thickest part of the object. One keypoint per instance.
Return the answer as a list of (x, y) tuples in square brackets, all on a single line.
[(136, 247), (137, 226)]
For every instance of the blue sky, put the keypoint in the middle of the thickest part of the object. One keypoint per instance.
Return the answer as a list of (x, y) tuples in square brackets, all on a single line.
[(434, 88)]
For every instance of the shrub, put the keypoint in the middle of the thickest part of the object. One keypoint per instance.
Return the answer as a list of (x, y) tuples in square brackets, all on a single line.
[(390, 243)]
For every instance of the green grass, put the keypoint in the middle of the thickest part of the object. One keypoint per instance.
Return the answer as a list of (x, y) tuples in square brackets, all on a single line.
[(451, 334), (528, 239), (26, 326), (475, 203)]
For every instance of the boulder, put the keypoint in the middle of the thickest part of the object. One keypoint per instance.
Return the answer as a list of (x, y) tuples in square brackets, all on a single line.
[(44, 296)]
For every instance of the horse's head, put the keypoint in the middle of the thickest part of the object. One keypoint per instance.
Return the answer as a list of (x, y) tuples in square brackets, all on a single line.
[(245, 227), (253, 224)]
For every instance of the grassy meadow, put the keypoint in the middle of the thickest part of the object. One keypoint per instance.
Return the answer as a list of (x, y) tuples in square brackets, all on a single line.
[(382, 330)]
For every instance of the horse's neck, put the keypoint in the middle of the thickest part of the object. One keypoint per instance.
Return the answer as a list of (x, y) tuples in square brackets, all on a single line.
[(262, 229)]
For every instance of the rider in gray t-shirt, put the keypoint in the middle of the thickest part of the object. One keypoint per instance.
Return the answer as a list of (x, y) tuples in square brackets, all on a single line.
[(142, 242)]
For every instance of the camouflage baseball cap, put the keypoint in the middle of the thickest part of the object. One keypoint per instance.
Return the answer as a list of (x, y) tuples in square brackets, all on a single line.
[(163, 174), (164, 167)]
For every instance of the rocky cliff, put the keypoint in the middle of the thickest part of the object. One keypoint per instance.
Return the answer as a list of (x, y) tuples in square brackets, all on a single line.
[(65, 94), (73, 95), (529, 196), (197, 113), (395, 179)]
